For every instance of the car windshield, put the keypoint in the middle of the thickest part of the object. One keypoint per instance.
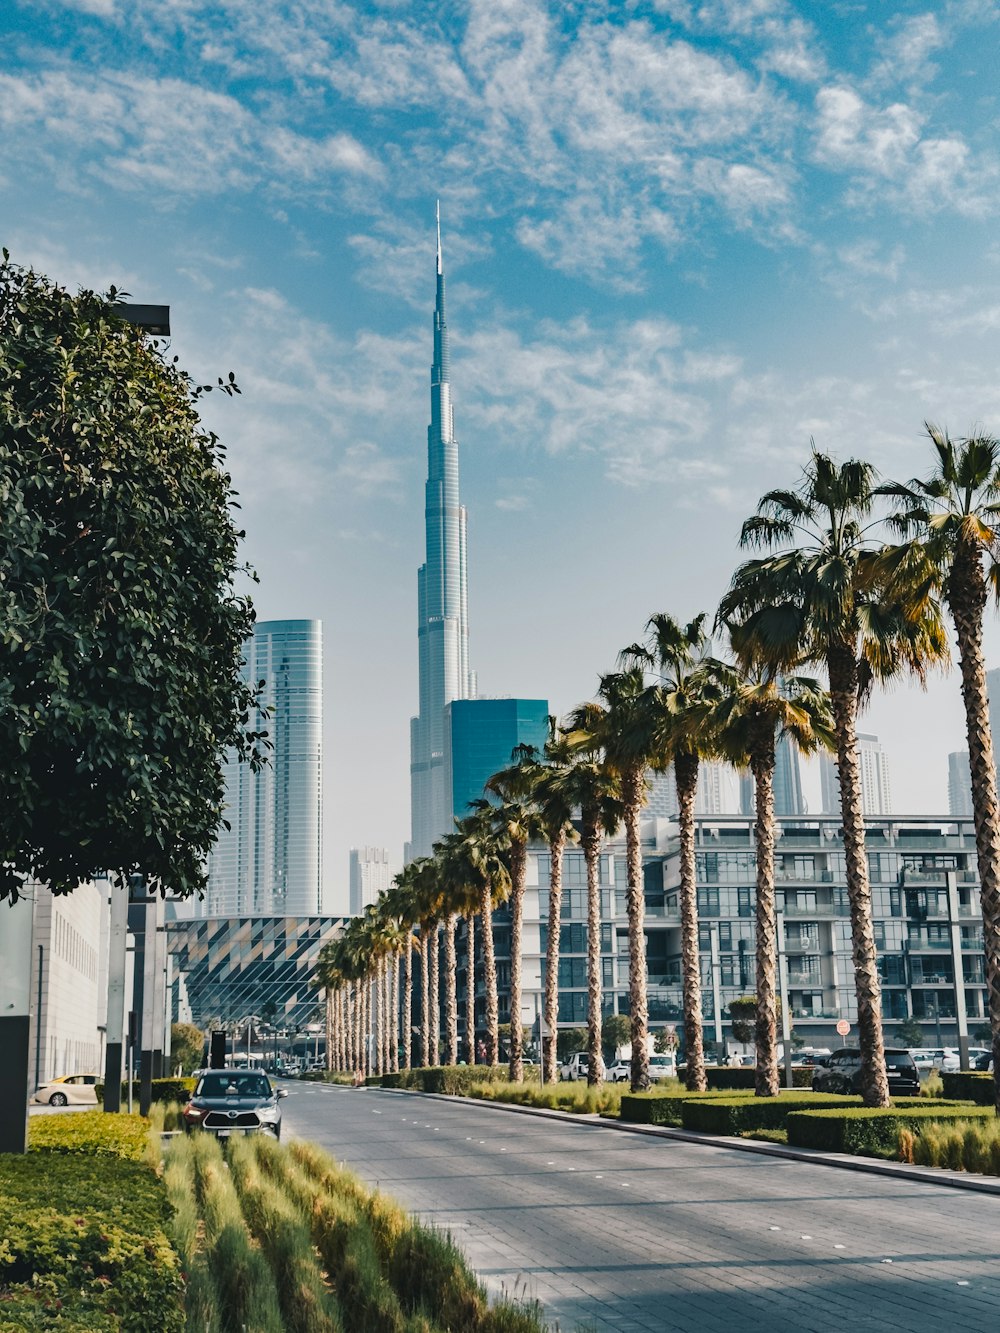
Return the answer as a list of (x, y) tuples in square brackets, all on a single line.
[(222, 1084)]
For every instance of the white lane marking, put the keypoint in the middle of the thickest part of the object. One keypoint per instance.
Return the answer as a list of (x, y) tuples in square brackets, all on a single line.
[(625, 1185), (598, 1177), (838, 1247), (376, 1112), (571, 1168), (805, 1238), (774, 1228), (961, 1283), (887, 1261)]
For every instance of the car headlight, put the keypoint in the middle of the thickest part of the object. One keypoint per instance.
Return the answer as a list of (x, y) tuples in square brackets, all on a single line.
[(193, 1112)]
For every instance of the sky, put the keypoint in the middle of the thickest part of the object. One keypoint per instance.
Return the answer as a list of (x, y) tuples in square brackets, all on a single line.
[(682, 240)]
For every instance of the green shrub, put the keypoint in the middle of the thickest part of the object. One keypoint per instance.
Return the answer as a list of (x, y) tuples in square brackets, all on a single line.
[(722, 1077), (82, 1238), (872, 1131), (89, 1133), (577, 1097), (163, 1090), (968, 1086), (735, 1115), (663, 1108)]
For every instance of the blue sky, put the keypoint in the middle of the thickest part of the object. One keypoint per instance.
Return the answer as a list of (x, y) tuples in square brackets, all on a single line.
[(681, 239)]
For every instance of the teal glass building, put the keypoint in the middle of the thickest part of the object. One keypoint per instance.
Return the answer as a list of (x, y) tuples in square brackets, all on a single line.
[(480, 737)]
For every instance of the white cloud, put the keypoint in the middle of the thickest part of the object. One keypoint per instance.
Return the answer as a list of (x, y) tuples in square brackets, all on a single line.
[(886, 147), (141, 131)]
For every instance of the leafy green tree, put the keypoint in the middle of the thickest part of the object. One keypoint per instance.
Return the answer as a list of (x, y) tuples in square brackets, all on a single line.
[(121, 635), (911, 1032), (616, 1031), (570, 1040), (187, 1046)]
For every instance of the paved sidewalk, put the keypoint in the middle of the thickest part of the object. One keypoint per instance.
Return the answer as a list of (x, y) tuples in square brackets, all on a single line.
[(620, 1233)]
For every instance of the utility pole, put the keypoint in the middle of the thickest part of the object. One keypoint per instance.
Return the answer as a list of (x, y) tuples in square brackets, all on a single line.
[(15, 1022)]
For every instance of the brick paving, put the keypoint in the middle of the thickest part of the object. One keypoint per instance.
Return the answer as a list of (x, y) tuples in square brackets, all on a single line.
[(619, 1233)]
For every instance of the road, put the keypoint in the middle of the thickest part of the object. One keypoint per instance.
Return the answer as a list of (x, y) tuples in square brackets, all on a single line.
[(618, 1233)]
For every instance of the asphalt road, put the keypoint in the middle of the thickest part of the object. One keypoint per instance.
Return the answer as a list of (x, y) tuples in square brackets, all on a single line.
[(618, 1232)]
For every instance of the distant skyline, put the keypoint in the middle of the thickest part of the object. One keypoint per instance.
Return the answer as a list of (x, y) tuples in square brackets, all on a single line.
[(683, 237)]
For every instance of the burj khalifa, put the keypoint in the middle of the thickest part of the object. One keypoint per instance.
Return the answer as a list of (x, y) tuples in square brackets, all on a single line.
[(442, 602)]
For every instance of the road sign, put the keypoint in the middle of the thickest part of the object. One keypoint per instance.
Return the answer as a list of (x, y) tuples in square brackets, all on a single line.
[(843, 1028)]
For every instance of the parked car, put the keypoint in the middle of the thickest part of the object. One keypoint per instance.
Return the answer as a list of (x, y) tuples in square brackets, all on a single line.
[(944, 1058), (660, 1066), (983, 1062), (843, 1072), (575, 1067), (69, 1090), (234, 1101)]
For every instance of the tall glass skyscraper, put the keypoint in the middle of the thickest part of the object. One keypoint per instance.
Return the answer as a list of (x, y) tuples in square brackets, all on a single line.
[(442, 602), (269, 862)]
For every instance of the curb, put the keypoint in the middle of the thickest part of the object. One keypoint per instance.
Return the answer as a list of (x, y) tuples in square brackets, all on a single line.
[(924, 1175)]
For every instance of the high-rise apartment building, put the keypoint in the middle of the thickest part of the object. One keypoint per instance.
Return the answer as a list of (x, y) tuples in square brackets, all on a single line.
[(269, 861), (480, 738), (442, 602), (959, 784), (371, 875), (876, 796), (789, 799)]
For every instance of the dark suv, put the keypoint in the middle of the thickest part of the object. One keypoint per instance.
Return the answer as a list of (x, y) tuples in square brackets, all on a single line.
[(842, 1073), (234, 1101)]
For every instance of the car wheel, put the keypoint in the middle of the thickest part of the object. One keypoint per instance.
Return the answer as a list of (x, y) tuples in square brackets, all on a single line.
[(57, 1099)]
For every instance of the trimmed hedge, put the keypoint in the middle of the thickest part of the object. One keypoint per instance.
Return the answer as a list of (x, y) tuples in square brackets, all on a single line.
[(92, 1133), (873, 1131), (164, 1090), (736, 1115), (721, 1076), (663, 1108), (454, 1080), (966, 1085), (83, 1241)]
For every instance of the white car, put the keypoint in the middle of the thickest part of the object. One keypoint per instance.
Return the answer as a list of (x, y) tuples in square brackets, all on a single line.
[(660, 1066), (70, 1090), (619, 1072), (943, 1058)]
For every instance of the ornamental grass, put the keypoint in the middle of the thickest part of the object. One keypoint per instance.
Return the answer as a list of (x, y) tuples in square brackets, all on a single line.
[(956, 1145)]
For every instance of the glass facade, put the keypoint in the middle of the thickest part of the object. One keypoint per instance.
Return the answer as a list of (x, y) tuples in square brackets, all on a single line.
[(232, 967), (481, 735), (269, 861)]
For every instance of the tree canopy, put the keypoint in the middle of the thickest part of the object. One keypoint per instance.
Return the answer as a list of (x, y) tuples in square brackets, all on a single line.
[(121, 631)]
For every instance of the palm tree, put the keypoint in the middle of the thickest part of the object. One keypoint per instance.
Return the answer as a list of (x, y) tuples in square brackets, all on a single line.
[(681, 734), (556, 803), (594, 789), (517, 821), (486, 872), (756, 707), (626, 737), (820, 597), (953, 520), (403, 897)]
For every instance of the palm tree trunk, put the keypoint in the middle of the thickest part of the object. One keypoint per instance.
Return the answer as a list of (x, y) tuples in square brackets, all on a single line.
[(490, 977), (966, 599), (470, 990), (342, 1056), (331, 1029), (384, 1015), (425, 997), (434, 944), (842, 668), (557, 846), (356, 1027), (450, 985), (686, 775), (591, 840), (408, 1003), (635, 901), (518, 871), (394, 1015), (767, 1083)]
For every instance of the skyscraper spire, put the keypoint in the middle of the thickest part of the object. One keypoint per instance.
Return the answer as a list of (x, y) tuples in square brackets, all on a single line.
[(442, 599)]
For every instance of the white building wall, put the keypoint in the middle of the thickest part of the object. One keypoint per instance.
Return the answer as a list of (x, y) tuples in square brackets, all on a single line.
[(68, 936)]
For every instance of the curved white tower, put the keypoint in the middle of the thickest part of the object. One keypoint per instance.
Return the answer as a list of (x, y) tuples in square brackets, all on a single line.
[(442, 601)]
